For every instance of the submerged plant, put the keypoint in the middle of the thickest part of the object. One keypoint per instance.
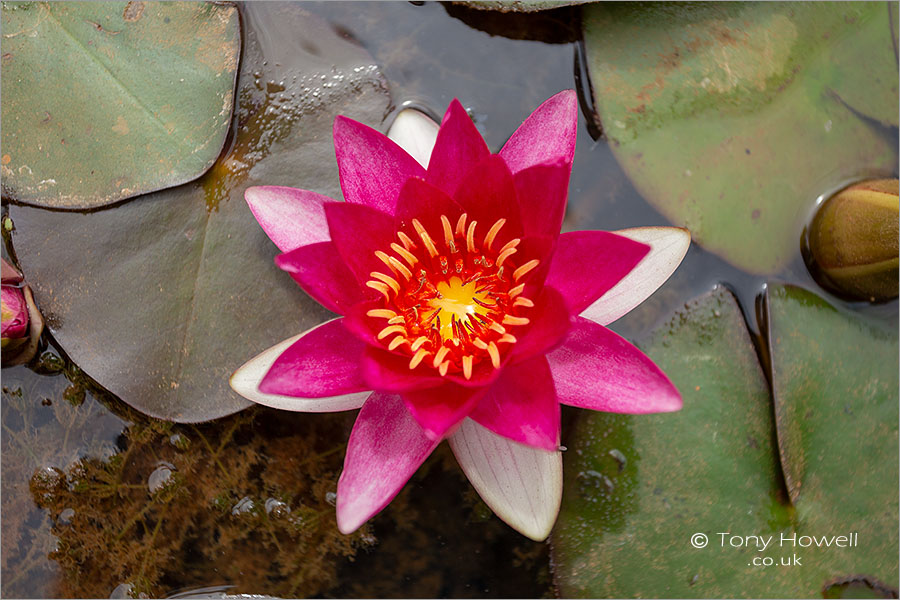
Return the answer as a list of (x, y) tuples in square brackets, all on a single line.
[(466, 315)]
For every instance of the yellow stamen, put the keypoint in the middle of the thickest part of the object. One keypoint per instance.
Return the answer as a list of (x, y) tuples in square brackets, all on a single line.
[(407, 241), (522, 301), (526, 268), (418, 343), (383, 257), (504, 255), (461, 225), (426, 239), (510, 244), (391, 329), (516, 290), (508, 338), (417, 357), (440, 356), (467, 366), (495, 354), (388, 280), (396, 342), (377, 285), (382, 313), (497, 327), (448, 231), (397, 320), (400, 267), (445, 366), (492, 233), (511, 320), (408, 256), (480, 344), (470, 236)]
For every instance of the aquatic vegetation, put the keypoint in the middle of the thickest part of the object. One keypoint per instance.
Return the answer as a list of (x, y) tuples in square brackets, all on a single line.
[(459, 298), (168, 503)]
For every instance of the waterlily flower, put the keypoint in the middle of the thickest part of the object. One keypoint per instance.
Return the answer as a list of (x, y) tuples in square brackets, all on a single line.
[(465, 314)]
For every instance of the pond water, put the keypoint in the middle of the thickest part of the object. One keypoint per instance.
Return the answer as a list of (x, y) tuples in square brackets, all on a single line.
[(101, 501)]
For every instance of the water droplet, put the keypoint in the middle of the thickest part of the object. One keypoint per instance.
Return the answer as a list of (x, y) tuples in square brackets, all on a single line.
[(65, 517), (620, 458), (180, 441), (160, 477), (123, 590), (331, 498), (277, 508), (243, 506)]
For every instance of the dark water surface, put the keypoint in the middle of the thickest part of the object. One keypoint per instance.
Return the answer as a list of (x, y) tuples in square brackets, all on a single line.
[(98, 500)]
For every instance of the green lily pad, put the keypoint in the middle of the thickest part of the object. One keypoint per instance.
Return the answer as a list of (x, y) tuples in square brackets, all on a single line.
[(835, 385), (107, 100), (731, 118), (638, 489), (172, 293)]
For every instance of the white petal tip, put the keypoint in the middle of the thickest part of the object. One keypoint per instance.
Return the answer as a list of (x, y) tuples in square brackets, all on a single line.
[(668, 246), (416, 133), (245, 381), (521, 484)]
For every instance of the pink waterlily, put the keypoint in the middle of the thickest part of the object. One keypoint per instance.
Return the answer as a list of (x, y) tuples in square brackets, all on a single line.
[(465, 314)]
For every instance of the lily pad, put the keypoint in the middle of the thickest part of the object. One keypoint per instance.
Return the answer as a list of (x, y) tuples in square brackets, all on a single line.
[(835, 385), (170, 294), (107, 100), (520, 6), (640, 490), (731, 118)]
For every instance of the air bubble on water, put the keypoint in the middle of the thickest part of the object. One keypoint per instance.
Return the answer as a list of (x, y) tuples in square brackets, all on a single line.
[(243, 506)]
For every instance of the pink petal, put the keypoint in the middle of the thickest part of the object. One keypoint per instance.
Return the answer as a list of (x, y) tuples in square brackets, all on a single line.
[(246, 380), (290, 217), (521, 484), (364, 327), (357, 232), (589, 263), (425, 202), (543, 191), (668, 245), (550, 322), (385, 449), (439, 410), (547, 135), (458, 148), (598, 370), (322, 274), (522, 405), (389, 372), (416, 133), (488, 193), (324, 362), (371, 166)]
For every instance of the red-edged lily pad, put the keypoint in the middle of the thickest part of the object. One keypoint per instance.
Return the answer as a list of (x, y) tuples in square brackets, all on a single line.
[(103, 101)]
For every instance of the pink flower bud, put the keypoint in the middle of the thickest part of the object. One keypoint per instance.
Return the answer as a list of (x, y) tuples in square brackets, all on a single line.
[(15, 314)]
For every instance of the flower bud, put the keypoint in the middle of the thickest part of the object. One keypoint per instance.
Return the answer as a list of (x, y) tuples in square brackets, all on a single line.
[(852, 242), (21, 320), (14, 314)]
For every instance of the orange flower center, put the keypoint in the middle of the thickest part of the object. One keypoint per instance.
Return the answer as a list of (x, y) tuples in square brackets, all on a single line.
[(452, 304)]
